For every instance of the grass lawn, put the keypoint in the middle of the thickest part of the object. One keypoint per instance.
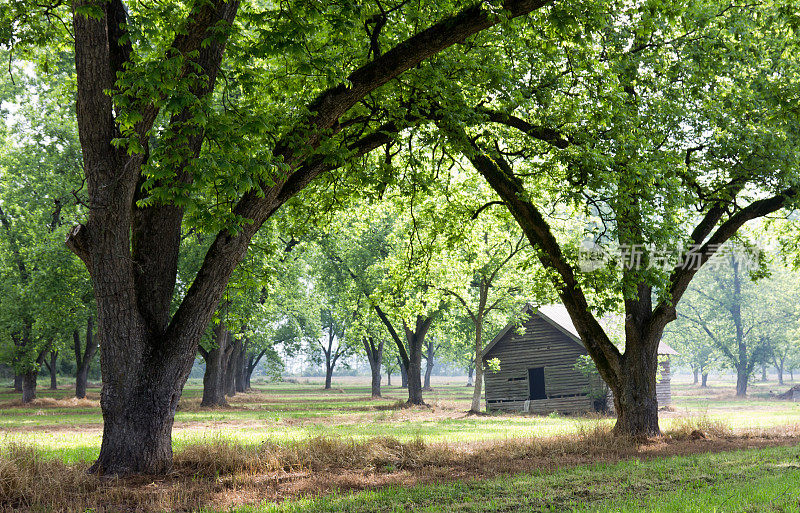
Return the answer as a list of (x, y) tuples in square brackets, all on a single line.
[(742, 481)]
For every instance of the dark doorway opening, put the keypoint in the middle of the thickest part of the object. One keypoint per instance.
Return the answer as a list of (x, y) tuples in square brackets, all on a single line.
[(536, 383)]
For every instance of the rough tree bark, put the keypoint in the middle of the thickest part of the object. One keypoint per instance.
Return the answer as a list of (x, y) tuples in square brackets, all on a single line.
[(131, 251), (374, 355), (229, 379), (29, 379), (83, 359), (416, 339), (216, 363)]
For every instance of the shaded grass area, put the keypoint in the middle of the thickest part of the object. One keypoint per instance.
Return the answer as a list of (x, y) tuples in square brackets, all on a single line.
[(741, 481)]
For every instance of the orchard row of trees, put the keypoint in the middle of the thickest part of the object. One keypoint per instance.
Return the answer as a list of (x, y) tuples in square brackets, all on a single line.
[(741, 315), (212, 133)]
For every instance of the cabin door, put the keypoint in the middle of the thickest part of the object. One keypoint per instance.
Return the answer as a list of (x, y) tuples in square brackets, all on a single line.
[(536, 383)]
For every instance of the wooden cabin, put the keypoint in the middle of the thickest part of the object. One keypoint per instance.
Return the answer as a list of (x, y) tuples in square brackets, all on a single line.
[(537, 367)]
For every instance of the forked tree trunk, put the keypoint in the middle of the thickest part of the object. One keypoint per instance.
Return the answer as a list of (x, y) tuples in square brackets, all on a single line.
[(216, 362), (415, 341), (252, 363)]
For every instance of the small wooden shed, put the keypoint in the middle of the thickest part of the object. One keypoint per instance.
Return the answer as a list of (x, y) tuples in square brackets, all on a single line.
[(537, 368)]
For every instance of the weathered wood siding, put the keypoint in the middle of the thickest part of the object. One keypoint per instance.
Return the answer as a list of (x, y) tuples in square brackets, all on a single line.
[(663, 386), (541, 345)]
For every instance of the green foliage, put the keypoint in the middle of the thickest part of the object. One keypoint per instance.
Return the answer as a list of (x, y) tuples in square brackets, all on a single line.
[(44, 290)]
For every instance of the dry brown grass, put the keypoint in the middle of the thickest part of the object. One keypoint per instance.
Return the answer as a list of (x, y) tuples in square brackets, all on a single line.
[(49, 402), (220, 474), (697, 427)]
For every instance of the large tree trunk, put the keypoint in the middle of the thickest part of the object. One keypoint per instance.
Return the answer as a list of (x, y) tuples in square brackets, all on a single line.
[(216, 362), (241, 376), (764, 373), (635, 399), (29, 378), (230, 368), (81, 380), (29, 385), (779, 370), (415, 376), (415, 340), (741, 380), (388, 378), (137, 429), (429, 363), (696, 373), (704, 382), (328, 373), (374, 356)]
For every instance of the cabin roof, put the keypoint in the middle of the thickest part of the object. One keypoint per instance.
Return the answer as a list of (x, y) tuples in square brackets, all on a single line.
[(557, 316)]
